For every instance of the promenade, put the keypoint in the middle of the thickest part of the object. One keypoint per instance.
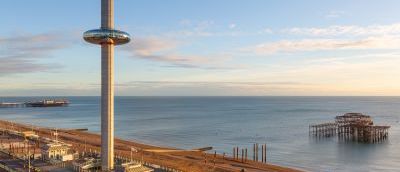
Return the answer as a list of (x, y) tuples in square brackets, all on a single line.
[(165, 158)]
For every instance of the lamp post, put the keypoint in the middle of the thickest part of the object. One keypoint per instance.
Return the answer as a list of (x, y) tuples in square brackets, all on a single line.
[(28, 155)]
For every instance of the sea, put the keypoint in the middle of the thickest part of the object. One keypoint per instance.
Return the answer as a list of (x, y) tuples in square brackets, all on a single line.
[(226, 122)]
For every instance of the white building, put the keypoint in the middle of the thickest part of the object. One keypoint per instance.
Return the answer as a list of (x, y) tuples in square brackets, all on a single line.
[(57, 151)]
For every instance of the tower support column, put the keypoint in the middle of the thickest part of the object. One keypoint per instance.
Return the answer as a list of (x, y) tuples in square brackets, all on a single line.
[(107, 37), (107, 106), (107, 88)]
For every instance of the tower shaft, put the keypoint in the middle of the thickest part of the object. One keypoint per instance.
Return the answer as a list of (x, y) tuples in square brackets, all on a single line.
[(107, 14), (107, 106), (107, 37), (107, 89)]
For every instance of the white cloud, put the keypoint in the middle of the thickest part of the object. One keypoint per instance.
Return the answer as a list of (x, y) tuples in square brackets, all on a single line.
[(232, 26), (221, 83), (148, 46), (346, 30), (21, 53), (166, 50), (192, 28), (288, 46)]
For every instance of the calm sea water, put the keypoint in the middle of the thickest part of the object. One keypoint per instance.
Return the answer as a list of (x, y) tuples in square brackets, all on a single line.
[(223, 122)]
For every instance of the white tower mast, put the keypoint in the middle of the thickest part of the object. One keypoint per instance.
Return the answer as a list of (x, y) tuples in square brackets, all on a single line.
[(107, 37)]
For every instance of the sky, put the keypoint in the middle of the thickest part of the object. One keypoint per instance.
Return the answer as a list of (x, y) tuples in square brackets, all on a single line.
[(204, 48)]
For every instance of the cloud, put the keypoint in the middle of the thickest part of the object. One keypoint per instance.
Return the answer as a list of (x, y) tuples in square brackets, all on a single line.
[(367, 74), (335, 14), (15, 65), (165, 50), (32, 46), (206, 88), (164, 83), (49, 91), (21, 53), (346, 30), (289, 46), (267, 31), (336, 37), (205, 83), (146, 47), (193, 29), (159, 50), (210, 29)]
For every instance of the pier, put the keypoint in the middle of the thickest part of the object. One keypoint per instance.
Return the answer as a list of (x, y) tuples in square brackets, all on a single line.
[(42, 103), (351, 127), (11, 105)]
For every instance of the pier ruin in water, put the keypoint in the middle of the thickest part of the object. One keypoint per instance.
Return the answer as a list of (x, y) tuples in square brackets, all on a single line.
[(351, 127)]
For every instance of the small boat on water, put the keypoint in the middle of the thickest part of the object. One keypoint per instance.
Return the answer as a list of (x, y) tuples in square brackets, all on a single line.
[(47, 103)]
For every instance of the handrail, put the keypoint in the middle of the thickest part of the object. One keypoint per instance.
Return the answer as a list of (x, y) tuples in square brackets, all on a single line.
[(4, 167)]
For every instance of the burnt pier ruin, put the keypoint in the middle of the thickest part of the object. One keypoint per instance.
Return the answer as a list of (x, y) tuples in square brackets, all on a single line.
[(351, 127)]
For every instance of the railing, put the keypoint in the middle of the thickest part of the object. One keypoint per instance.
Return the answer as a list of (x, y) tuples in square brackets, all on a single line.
[(4, 167)]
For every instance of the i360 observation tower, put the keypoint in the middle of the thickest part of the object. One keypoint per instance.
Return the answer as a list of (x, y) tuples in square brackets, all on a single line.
[(107, 37)]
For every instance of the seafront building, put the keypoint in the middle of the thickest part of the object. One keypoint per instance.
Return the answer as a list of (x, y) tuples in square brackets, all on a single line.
[(30, 135), (87, 164), (55, 154), (57, 151)]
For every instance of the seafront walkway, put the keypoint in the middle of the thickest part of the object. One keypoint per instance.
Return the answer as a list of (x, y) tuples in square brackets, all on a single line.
[(178, 160)]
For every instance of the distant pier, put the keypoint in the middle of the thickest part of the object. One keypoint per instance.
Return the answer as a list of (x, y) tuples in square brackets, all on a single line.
[(351, 127), (11, 105), (43, 103)]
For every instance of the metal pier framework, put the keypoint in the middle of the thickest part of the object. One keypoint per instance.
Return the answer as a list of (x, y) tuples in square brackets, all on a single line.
[(352, 127)]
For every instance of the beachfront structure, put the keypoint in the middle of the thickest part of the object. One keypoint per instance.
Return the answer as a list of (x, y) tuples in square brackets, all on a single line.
[(30, 135), (107, 37), (135, 167), (352, 126), (87, 164), (57, 151)]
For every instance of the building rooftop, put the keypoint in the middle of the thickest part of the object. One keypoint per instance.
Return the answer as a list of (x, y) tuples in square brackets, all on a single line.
[(56, 146), (135, 167)]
